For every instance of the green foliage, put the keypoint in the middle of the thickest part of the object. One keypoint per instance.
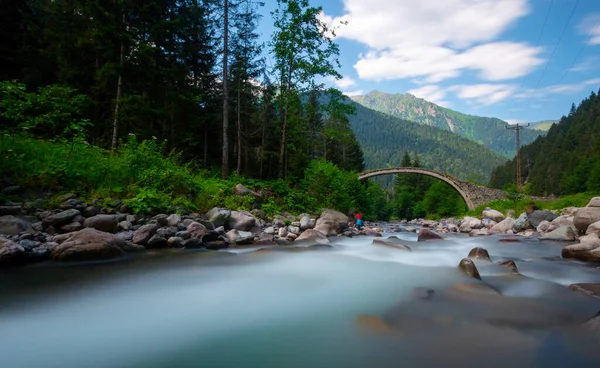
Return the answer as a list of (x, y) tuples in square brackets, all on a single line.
[(521, 204)]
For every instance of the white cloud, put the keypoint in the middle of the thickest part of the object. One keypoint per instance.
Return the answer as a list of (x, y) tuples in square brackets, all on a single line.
[(484, 94), (434, 40), (512, 121), (354, 93), (559, 88), (430, 93), (344, 83), (590, 25)]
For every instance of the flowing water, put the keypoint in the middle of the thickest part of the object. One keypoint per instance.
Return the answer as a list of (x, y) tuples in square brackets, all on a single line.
[(291, 308)]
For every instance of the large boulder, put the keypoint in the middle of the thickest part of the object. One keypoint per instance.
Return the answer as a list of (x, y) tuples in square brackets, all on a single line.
[(306, 223), (594, 202), (88, 244), (425, 234), (239, 237), (521, 223), (593, 228), (389, 242), (536, 217), (197, 230), (327, 227), (585, 217), (241, 220), (144, 233), (543, 226), (503, 226), (588, 249), (173, 219), (496, 216), (476, 224), (565, 233), (61, 218), (563, 221), (467, 267), (218, 216), (312, 237), (11, 253), (106, 223), (587, 289), (339, 217), (11, 225)]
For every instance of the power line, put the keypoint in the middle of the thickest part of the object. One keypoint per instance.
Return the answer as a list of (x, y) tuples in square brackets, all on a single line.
[(539, 37), (518, 128), (557, 44)]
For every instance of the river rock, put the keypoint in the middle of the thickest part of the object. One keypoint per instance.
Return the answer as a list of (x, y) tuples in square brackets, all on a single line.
[(594, 228), (174, 242), (468, 268), (88, 244), (294, 230), (585, 217), (156, 241), (192, 243), (72, 203), (503, 226), (61, 218), (562, 233), (587, 289), (536, 217), (480, 232), (411, 229), (510, 264), (241, 220), (239, 237), (167, 232), (241, 190), (73, 226), (10, 210), (106, 223), (594, 202), (425, 234), (588, 249), (312, 237), (327, 227), (90, 211), (269, 230), (465, 226), (307, 223), (282, 233), (429, 223), (160, 220), (479, 254), (11, 253), (452, 228), (391, 244), (496, 216), (144, 233), (543, 226), (124, 225), (521, 223), (173, 219), (218, 216), (336, 216), (265, 239), (11, 225)]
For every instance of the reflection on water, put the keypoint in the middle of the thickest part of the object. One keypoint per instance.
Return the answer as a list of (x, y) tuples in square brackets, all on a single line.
[(300, 309)]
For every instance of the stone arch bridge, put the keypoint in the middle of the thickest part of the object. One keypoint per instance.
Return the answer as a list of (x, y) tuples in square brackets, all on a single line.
[(473, 194)]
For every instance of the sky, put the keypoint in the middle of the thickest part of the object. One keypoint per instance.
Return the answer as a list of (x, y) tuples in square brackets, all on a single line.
[(517, 60)]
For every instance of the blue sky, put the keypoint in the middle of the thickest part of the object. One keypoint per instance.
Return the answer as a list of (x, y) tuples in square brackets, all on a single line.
[(518, 60)]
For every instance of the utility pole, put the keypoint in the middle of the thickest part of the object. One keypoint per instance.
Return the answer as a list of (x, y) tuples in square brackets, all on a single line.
[(518, 128)]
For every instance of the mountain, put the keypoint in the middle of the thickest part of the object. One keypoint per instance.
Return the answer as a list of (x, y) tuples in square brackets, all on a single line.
[(384, 140), (543, 125), (566, 160), (490, 132)]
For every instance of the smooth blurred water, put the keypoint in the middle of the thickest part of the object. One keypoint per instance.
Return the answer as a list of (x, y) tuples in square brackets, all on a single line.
[(299, 308)]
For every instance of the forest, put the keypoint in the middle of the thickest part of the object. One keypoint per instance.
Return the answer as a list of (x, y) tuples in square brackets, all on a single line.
[(565, 161)]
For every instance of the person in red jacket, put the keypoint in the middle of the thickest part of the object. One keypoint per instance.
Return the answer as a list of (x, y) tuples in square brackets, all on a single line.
[(359, 221)]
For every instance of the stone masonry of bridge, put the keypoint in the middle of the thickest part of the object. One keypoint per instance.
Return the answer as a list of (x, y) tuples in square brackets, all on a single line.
[(473, 194)]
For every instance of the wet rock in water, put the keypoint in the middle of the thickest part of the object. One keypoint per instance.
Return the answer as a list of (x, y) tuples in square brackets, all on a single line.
[(411, 229), (593, 323), (585, 217), (106, 223), (11, 253), (241, 220), (327, 227), (61, 218), (11, 225), (510, 264), (218, 216), (216, 244), (391, 244), (592, 290), (144, 233), (503, 226), (479, 254), (156, 241), (422, 293), (478, 289), (265, 239), (480, 232), (10, 210), (372, 233), (562, 233), (372, 324), (88, 244), (69, 228), (468, 268), (509, 240), (174, 242), (594, 228), (425, 234), (312, 236), (536, 217), (240, 237), (335, 216)]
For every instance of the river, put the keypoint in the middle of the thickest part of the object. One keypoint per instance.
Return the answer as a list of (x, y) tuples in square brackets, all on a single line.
[(291, 308)]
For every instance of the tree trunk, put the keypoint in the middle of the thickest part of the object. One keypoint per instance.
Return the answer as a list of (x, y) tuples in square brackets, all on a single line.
[(283, 142), (262, 151), (206, 145), (115, 137), (225, 161), (239, 132)]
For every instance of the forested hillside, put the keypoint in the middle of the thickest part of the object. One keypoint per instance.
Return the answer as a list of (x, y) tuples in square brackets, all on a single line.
[(566, 160), (385, 139), (490, 132)]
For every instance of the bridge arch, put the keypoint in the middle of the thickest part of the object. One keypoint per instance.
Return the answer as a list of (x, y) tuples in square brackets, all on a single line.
[(453, 182)]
